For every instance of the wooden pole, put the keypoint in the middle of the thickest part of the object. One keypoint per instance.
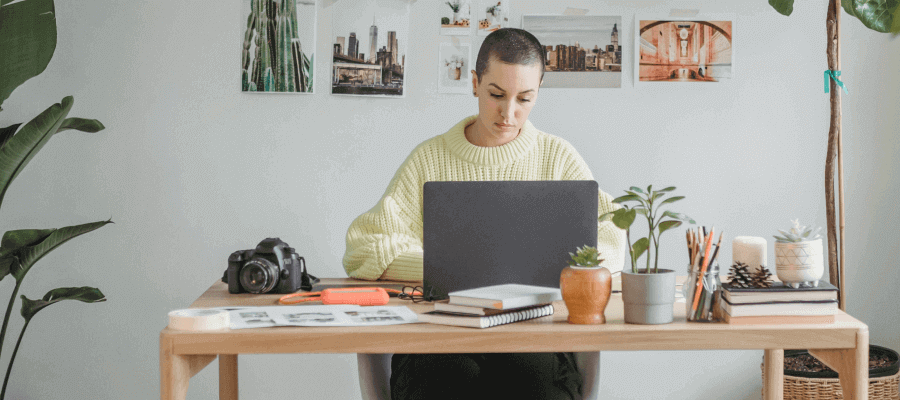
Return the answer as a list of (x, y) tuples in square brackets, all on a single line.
[(833, 51)]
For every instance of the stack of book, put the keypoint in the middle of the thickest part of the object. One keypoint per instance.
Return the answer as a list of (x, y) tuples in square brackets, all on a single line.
[(780, 304), (493, 305)]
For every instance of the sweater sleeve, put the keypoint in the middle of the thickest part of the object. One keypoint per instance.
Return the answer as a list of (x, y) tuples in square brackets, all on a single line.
[(386, 241), (611, 242)]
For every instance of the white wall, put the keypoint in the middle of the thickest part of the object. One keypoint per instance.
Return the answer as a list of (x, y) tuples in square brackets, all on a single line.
[(190, 169)]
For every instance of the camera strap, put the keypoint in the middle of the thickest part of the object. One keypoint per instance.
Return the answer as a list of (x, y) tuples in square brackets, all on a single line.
[(306, 279)]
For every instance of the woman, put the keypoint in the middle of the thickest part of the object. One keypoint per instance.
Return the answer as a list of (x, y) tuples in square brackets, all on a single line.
[(496, 145)]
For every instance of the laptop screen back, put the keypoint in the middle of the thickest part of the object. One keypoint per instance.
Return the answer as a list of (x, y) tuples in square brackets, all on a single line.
[(488, 233)]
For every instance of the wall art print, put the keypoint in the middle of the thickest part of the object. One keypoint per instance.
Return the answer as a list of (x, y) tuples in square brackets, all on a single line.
[(369, 39), (684, 50), (456, 17), (279, 46), (492, 15), (583, 51), (454, 68)]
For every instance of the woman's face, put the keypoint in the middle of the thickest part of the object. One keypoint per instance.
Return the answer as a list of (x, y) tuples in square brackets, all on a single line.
[(506, 94)]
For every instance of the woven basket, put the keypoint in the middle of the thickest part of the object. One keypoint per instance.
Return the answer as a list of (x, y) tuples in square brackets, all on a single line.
[(806, 388)]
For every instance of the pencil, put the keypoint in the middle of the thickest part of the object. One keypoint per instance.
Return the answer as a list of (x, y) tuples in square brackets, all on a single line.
[(709, 241), (715, 253)]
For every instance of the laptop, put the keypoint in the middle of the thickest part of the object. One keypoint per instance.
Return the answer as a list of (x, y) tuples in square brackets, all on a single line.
[(495, 232)]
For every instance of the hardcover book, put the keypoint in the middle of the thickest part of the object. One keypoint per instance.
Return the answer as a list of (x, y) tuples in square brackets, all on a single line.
[(824, 307), (779, 292), (505, 297)]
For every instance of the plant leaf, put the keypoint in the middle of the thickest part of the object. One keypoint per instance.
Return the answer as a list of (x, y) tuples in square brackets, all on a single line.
[(83, 294), (7, 133), (623, 218), (671, 200), (848, 7), (14, 240), (639, 247), (81, 124), (636, 189), (627, 197), (666, 225), (642, 211), (27, 42), (877, 15), (784, 7), (649, 189), (22, 147), (668, 189), (28, 256), (679, 216)]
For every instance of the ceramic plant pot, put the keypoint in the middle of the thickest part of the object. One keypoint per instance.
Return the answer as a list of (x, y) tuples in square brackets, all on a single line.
[(800, 262), (648, 298), (586, 292)]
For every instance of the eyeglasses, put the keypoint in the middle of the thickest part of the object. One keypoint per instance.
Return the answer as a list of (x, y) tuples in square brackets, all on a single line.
[(413, 293)]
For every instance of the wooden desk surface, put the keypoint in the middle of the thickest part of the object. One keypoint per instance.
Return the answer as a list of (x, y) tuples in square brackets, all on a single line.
[(546, 334)]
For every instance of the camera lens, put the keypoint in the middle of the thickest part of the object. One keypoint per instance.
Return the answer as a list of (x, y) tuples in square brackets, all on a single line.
[(259, 276)]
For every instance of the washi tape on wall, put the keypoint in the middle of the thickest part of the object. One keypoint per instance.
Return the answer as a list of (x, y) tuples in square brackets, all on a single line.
[(198, 320)]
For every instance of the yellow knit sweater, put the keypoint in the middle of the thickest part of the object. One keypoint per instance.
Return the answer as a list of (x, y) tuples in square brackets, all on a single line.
[(386, 241)]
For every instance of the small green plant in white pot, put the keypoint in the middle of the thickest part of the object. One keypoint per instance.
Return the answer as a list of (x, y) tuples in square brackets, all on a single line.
[(799, 256), (648, 293)]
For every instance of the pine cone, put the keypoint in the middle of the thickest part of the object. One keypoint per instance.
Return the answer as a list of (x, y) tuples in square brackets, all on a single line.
[(739, 276), (762, 278)]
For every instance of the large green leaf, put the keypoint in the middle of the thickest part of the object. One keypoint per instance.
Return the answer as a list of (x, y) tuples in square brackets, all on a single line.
[(7, 133), (785, 7), (83, 294), (848, 7), (666, 225), (81, 124), (27, 41), (623, 218), (14, 240), (876, 14), (639, 247), (28, 256), (22, 147)]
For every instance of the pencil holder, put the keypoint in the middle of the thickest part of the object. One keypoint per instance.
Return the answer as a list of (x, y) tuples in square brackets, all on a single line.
[(702, 307)]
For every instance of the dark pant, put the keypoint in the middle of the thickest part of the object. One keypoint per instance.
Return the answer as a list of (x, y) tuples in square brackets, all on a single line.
[(485, 376)]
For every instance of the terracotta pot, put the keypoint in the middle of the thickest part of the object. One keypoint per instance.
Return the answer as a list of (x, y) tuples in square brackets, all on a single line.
[(455, 73), (586, 292)]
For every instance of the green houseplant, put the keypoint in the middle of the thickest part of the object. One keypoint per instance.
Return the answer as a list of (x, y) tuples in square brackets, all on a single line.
[(648, 293), (28, 32), (585, 286)]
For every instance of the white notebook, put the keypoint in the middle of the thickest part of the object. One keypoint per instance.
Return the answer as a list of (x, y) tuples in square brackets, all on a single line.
[(446, 318), (504, 297)]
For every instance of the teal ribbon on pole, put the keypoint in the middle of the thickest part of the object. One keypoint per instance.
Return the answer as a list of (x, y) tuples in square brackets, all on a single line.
[(834, 75)]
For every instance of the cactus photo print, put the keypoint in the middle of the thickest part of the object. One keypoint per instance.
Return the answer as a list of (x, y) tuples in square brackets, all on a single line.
[(369, 39), (279, 43)]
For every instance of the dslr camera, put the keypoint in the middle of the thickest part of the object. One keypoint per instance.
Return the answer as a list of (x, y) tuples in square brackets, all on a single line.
[(272, 267)]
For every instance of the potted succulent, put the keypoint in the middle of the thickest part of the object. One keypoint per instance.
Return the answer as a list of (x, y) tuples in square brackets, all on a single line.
[(454, 5), (649, 292), (585, 287), (799, 257)]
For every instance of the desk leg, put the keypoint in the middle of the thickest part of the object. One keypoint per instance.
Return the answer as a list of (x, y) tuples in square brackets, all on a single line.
[(773, 375), (852, 366), (228, 377), (175, 371)]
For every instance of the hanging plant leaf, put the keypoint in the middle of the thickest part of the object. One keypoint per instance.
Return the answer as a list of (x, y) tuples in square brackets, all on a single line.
[(28, 256), (83, 294), (81, 124), (27, 42), (877, 15), (785, 7)]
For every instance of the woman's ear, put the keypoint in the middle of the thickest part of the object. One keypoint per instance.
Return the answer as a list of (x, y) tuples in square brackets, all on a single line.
[(474, 84)]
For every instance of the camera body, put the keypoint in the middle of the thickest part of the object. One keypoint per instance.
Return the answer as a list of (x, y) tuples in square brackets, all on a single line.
[(272, 267)]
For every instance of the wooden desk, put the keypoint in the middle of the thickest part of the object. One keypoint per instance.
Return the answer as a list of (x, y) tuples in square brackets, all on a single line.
[(844, 345)]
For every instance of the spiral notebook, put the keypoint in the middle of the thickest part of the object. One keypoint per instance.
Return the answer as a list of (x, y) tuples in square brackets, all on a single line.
[(457, 319)]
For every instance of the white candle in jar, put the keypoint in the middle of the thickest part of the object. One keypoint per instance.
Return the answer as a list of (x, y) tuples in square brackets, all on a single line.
[(750, 250)]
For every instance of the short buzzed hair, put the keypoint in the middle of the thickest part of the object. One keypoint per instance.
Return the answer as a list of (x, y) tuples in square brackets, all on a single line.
[(511, 46)]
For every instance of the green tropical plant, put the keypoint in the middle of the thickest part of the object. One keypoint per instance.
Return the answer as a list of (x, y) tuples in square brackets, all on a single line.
[(878, 15), (587, 256), (648, 205), (279, 64), (27, 43), (454, 5)]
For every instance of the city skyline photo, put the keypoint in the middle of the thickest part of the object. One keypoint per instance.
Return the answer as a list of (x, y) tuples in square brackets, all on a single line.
[(582, 51)]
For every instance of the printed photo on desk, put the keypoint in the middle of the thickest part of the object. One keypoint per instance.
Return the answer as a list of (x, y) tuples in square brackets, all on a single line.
[(456, 17), (583, 51), (698, 51), (370, 41), (279, 46)]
